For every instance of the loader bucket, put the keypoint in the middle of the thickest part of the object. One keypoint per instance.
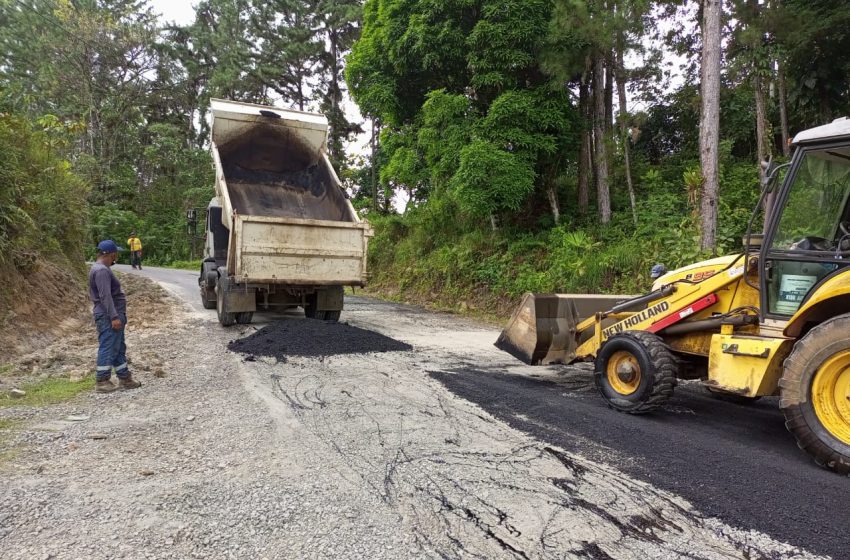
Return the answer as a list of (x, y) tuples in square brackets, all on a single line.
[(543, 328)]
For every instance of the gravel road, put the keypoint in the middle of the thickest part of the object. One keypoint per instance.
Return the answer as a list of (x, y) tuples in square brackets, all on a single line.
[(442, 451)]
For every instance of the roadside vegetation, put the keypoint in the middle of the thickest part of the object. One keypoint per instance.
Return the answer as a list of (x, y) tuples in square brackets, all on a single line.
[(48, 391), (527, 167), (194, 265), (541, 145)]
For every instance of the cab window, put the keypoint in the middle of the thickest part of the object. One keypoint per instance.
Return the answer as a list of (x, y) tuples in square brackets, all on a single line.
[(815, 210), (812, 238)]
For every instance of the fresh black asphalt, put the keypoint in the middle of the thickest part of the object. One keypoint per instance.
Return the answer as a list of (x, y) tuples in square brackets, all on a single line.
[(734, 462), (314, 338)]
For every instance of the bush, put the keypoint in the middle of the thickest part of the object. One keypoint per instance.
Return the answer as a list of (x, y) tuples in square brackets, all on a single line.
[(432, 253), (42, 202)]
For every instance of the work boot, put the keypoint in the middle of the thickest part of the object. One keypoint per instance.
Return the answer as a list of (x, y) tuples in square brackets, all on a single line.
[(129, 383), (105, 386)]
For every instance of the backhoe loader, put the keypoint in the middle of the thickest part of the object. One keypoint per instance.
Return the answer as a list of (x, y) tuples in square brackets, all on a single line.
[(772, 320)]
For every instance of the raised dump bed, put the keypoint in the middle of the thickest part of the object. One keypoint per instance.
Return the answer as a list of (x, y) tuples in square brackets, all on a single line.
[(290, 235)]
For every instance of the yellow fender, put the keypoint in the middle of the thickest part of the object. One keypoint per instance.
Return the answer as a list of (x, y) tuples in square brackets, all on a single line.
[(830, 299)]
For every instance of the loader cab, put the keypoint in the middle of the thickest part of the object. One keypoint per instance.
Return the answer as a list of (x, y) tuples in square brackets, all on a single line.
[(807, 239)]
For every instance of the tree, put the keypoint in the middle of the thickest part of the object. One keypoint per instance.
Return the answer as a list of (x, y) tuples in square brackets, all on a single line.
[(600, 141), (709, 131), (338, 24)]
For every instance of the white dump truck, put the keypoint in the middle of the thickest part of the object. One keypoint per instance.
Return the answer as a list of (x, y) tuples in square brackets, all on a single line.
[(280, 231)]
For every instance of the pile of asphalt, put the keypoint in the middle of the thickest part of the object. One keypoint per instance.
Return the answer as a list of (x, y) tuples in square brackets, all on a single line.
[(312, 338)]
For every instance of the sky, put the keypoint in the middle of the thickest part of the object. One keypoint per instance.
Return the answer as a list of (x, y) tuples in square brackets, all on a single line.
[(177, 11)]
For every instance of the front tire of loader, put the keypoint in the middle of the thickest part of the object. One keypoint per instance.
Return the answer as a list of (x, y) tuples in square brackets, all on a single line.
[(815, 394), (635, 372)]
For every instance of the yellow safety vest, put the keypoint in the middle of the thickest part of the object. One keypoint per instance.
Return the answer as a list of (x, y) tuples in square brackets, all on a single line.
[(135, 244)]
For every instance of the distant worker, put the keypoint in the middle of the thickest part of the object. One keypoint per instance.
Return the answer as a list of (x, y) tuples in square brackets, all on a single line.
[(110, 317), (135, 246)]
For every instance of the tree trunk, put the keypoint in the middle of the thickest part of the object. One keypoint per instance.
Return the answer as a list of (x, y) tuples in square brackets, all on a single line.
[(763, 148), (620, 75), (709, 131), (374, 142), (552, 196), (335, 147), (783, 110), (609, 95), (584, 166), (603, 195)]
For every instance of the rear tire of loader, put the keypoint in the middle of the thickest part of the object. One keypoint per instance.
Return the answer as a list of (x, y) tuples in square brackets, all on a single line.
[(635, 372), (815, 393)]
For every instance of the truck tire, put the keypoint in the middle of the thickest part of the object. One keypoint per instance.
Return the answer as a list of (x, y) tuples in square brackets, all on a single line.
[(225, 318), (815, 393), (635, 372), (245, 317), (310, 310), (208, 297), (332, 315)]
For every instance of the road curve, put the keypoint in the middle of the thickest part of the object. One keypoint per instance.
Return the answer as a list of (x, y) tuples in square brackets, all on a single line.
[(733, 462)]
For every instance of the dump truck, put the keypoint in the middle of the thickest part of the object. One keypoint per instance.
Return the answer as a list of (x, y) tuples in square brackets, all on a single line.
[(280, 231), (771, 320)]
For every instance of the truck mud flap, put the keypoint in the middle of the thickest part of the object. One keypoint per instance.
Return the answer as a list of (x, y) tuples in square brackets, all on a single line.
[(240, 300)]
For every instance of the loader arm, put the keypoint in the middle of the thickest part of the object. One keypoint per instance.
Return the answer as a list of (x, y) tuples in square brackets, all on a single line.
[(565, 328)]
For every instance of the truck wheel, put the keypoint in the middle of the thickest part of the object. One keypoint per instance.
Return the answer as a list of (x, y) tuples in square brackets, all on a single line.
[(635, 372), (815, 393), (332, 315), (225, 318), (310, 305), (245, 317), (208, 298)]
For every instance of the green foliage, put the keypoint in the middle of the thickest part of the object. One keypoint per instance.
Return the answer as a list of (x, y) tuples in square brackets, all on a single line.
[(194, 265), (423, 256), (42, 202), (49, 391), (491, 180)]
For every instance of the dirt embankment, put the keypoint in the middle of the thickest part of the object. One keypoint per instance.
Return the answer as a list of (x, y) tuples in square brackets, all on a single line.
[(49, 331)]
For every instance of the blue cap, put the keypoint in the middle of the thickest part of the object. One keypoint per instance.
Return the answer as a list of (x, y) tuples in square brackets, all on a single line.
[(107, 246), (657, 271)]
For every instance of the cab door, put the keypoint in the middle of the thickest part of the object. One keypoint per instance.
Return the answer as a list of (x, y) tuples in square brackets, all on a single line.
[(808, 236)]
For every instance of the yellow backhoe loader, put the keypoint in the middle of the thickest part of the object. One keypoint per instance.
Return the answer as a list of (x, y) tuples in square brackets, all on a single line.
[(773, 320)]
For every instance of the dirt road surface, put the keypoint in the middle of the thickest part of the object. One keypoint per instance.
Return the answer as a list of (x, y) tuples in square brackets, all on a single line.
[(447, 450)]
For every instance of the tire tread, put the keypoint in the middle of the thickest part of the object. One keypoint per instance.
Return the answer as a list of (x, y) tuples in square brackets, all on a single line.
[(665, 368)]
